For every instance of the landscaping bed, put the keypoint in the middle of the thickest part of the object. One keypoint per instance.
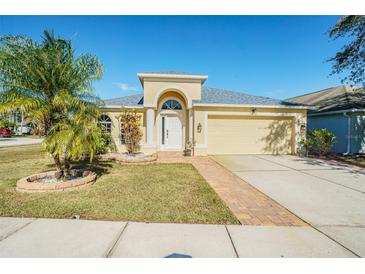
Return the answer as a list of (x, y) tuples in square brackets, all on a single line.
[(357, 159), (151, 193), (48, 182), (125, 158)]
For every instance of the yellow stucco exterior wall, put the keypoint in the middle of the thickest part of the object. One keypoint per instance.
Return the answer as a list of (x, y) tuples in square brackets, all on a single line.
[(202, 116), (114, 115), (153, 89), (186, 89)]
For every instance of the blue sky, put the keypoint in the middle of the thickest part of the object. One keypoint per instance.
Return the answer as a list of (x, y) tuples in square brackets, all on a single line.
[(274, 56)]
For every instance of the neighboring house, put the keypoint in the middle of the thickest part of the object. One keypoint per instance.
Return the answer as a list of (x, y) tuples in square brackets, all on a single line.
[(13, 117), (342, 111), (177, 108), (18, 118)]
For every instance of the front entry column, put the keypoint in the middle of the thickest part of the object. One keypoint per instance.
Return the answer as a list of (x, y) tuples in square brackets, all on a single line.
[(150, 125), (191, 125)]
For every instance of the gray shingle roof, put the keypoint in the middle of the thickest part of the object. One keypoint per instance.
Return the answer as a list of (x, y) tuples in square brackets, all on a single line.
[(333, 99), (221, 96), (131, 100), (210, 96)]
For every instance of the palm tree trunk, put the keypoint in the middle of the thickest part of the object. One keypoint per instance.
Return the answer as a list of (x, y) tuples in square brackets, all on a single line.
[(66, 172), (60, 172), (58, 163), (46, 127)]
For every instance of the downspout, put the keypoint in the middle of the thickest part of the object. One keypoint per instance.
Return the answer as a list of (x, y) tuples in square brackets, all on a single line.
[(348, 133)]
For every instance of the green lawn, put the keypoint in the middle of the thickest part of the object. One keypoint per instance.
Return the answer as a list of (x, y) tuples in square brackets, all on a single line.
[(152, 193)]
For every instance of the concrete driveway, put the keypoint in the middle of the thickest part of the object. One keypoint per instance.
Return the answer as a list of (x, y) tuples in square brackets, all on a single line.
[(329, 197)]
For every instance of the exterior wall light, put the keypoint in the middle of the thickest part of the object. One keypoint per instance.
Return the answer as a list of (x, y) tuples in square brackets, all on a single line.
[(199, 128), (302, 127)]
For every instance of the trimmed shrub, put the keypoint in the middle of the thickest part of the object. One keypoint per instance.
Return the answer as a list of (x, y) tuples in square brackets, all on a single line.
[(131, 123), (319, 141)]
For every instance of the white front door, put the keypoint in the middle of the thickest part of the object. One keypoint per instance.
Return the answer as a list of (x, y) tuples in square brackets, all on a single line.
[(171, 132)]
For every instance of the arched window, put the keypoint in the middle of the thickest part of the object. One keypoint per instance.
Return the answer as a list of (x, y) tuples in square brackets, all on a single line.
[(106, 122), (171, 104)]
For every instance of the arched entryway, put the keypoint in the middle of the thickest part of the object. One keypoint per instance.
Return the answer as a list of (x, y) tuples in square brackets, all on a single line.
[(171, 120)]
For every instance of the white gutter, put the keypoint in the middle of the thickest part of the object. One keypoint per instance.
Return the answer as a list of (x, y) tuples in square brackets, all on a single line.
[(251, 106), (336, 112), (346, 114)]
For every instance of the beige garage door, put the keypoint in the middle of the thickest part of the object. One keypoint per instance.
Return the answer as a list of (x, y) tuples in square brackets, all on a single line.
[(249, 135)]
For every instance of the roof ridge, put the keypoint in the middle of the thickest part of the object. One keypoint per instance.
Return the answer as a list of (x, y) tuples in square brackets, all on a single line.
[(245, 93), (313, 92), (210, 95)]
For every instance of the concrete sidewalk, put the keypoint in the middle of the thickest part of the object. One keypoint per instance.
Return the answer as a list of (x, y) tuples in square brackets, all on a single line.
[(27, 237), (9, 142)]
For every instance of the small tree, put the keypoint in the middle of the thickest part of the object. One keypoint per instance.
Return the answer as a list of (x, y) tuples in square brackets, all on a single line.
[(319, 142), (350, 59), (6, 124), (130, 123)]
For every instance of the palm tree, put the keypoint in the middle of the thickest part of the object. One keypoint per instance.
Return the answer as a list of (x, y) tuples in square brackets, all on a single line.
[(54, 88), (74, 137)]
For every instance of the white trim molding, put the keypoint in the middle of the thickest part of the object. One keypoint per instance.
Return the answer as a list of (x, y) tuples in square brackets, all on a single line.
[(168, 76), (336, 112), (251, 106)]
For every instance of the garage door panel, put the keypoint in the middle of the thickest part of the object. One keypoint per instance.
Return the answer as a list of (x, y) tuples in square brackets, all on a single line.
[(247, 135)]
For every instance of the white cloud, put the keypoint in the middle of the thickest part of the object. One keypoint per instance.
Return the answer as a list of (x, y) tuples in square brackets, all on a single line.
[(126, 87)]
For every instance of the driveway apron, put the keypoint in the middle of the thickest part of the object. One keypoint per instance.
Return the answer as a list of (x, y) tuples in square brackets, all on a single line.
[(329, 197)]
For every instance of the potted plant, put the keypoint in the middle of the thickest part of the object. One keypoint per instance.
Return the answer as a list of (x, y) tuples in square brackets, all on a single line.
[(188, 148)]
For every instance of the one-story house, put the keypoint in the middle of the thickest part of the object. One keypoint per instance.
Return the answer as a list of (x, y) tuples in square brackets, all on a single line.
[(341, 110), (14, 117), (177, 108)]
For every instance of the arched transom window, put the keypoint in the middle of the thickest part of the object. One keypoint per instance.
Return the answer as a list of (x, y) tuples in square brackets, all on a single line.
[(106, 122), (171, 104)]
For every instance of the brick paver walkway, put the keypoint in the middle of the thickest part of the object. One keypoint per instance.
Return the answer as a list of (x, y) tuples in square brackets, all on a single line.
[(250, 206)]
